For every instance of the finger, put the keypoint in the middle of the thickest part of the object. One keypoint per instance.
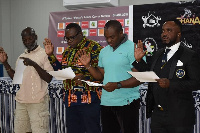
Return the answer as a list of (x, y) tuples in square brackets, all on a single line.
[(135, 45), (22, 58), (1, 48), (44, 44), (84, 52), (80, 53), (24, 62), (140, 44), (48, 41)]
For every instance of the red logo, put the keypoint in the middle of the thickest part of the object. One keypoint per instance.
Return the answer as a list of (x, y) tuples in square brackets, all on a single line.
[(101, 23), (126, 30), (121, 21), (67, 23), (59, 57), (93, 32), (61, 33), (85, 24)]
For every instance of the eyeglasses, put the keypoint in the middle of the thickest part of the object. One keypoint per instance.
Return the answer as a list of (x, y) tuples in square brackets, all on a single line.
[(71, 38)]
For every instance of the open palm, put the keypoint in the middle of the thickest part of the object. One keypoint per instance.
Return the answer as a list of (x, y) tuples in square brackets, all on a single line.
[(84, 57), (3, 55), (48, 46), (138, 50)]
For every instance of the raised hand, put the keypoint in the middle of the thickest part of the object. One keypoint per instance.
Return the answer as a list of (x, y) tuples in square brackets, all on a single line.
[(48, 46), (138, 51), (84, 58), (3, 55)]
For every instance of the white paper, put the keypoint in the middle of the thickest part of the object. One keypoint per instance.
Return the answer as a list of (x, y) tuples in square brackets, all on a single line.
[(63, 74), (92, 83), (19, 70), (148, 76)]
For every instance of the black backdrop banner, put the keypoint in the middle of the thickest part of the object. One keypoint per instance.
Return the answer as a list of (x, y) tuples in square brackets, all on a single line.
[(148, 20)]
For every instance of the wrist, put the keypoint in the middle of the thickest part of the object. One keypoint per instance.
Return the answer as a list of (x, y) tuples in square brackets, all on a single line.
[(51, 54), (88, 66), (9, 69), (119, 85), (5, 63), (138, 60)]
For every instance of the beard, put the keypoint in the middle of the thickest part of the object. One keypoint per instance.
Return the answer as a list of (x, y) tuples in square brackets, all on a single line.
[(169, 43), (32, 46)]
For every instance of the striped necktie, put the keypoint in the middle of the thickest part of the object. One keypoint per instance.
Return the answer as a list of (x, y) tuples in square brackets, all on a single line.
[(164, 58)]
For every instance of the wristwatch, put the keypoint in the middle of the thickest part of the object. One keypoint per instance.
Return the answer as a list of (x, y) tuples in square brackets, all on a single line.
[(119, 85)]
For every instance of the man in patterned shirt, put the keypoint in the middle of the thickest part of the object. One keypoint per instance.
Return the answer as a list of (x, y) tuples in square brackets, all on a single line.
[(82, 101)]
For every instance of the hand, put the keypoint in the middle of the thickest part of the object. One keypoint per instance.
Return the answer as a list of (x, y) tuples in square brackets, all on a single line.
[(27, 61), (163, 82), (78, 79), (3, 55), (110, 86), (84, 58), (138, 51), (48, 46)]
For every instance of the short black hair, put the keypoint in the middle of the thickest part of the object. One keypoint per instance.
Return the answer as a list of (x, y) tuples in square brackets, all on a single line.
[(177, 22), (75, 26), (32, 31), (115, 24)]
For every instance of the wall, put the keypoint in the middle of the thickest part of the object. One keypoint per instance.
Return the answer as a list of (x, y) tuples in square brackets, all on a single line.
[(5, 39), (15, 15), (19, 14), (140, 2), (0, 23)]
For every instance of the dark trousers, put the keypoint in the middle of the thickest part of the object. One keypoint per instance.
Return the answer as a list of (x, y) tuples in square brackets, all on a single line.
[(83, 118), (121, 119), (161, 124)]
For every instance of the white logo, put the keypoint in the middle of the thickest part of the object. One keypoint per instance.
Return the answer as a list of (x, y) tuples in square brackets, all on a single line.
[(150, 46), (186, 44), (150, 20), (187, 13), (66, 18)]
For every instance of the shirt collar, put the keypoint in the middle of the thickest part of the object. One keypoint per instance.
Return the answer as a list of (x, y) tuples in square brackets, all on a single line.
[(82, 43), (174, 47), (123, 41), (26, 50)]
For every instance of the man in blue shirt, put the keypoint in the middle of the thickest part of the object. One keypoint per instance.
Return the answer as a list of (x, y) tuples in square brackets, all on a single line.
[(120, 96)]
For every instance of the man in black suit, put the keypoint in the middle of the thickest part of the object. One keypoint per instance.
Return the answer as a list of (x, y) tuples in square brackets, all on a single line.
[(169, 100)]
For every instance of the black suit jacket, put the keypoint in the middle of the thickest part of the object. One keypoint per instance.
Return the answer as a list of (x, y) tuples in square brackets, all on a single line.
[(179, 94)]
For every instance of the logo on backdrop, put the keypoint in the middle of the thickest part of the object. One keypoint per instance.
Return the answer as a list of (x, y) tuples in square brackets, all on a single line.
[(189, 18), (151, 20), (185, 43), (150, 45)]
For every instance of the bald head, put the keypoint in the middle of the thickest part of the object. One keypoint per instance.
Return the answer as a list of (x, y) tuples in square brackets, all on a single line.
[(28, 31)]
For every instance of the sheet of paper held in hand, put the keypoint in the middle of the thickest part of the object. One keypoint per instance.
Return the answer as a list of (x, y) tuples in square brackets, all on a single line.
[(63, 74), (148, 76), (19, 70), (92, 83)]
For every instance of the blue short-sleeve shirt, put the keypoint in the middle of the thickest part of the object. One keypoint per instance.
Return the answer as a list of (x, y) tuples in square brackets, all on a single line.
[(116, 63)]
